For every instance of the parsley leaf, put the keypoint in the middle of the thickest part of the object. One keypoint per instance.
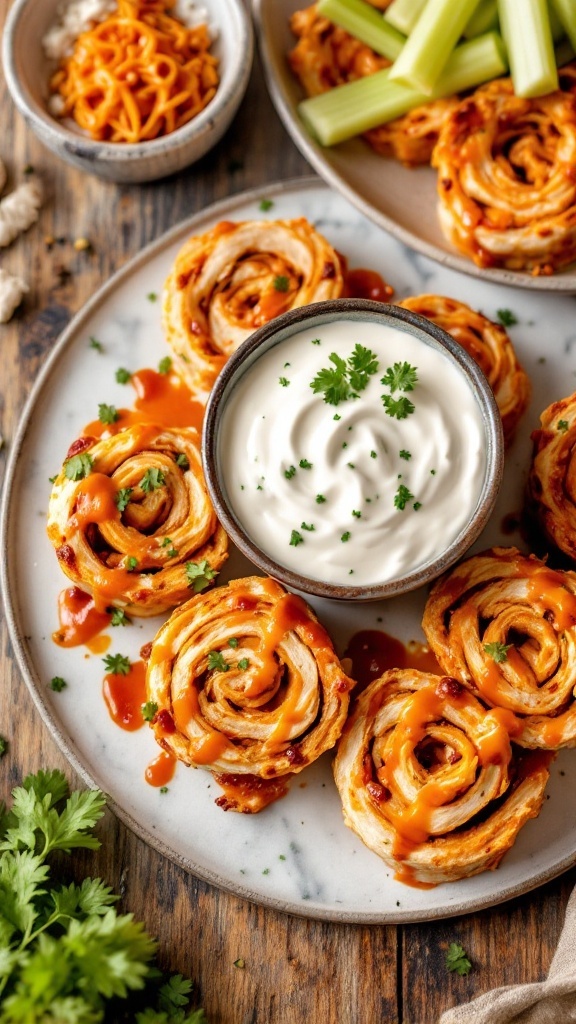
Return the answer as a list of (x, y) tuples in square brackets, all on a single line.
[(497, 651), (149, 710), (199, 575), (562, 426), (266, 204), (79, 466), (122, 375), (400, 377), (58, 684), (506, 317), (117, 664), (304, 464), (131, 563), (456, 959), (152, 479), (233, 641), (296, 539), (283, 381), (363, 363), (165, 365), (345, 536), (216, 660), (405, 455), (119, 617), (97, 345), (108, 413), (320, 499), (333, 383), (399, 408), (243, 664), (182, 461), (122, 497), (289, 473), (402, 497), (307, 526), (152, 296), (281, 283)]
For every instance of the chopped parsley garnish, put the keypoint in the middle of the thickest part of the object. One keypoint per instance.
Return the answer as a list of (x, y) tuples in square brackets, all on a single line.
[(199, 575), (347, 377), (562, 426), (320, 499), (152, 479), (122, 497), (285, 365), (456, 959), (163, 789), (399, 408), (182, 461), (58, 684), (289, 473), (243, 664), (432, 472), (344, 444), (400, 377), (506, 317), (97, 345), (402, 497), (131, 563), (336, 416), (122, 375), (417, 505), (119, 617), (266, 204), (356, 513), (351, 465), (152, 296), (149, 710), (233, 642), (315, 341), (108, 413), (281, 283), (216, 661), (167, 543), (497, 651), (307, 526), (345, 536), (296, 539), (117, 664), (283, 381), (165, 365), (405, 455), (79, 466), (304, 464), (373, 455), (53, 479)]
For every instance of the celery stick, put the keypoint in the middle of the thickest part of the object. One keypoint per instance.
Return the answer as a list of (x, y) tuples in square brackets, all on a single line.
[(526, 30), (403, 14), (358, 106), (366, 23), (566, 13), (430, 44), (484, 19)]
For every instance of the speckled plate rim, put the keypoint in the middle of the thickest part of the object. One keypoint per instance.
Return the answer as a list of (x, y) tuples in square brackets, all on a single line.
[(25, 663), (564, 282)]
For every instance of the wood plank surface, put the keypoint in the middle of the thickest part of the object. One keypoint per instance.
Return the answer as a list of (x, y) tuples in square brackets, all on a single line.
[(295, 970)]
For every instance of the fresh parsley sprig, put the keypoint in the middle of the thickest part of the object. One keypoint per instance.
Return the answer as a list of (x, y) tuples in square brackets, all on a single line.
[(345, 378), (456, 959), (199, 575)]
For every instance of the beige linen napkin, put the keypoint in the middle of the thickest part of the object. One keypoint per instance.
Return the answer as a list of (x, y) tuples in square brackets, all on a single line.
[(547, 1002)]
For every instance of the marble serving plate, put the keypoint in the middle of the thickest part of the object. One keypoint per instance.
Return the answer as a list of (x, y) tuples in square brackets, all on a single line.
[(297, 855)]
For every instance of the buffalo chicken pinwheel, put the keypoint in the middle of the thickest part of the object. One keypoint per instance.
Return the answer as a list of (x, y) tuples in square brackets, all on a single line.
[(246, 684), (489, 345), (235, 278), (552, 478), (429, 780), (506, 183), (326, 56), (505, 625), (131, 520)]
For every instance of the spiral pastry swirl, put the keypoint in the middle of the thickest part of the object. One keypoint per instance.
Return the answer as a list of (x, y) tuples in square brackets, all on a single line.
[(131, 520), (489, 345), (506, 183), (552, 477), (429, 781), (247, 683), (235, 278), (505, 625)]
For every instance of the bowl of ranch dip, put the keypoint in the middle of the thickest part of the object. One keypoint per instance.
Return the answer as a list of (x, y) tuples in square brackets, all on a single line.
[(352, 449)]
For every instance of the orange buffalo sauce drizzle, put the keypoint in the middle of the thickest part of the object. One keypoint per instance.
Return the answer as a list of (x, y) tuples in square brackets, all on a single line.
[(161, 770), (125, 695), (547, 589), (211, 746), (372, 652), (80, 621)]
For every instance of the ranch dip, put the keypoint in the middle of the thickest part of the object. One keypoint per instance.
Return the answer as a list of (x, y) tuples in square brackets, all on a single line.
[(353, 452)]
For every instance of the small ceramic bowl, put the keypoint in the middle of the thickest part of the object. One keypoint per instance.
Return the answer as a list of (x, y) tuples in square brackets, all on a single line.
[(300, 422), (28, 71)]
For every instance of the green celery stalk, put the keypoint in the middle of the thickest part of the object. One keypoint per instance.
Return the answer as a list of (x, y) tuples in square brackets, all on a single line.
[(566, 13), (526, 29), (358, 106), (403, 14), (484, 19), (362, 20), (430, 44)]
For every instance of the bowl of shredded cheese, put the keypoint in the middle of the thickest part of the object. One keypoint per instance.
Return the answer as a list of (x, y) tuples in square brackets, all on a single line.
[(129, 90)]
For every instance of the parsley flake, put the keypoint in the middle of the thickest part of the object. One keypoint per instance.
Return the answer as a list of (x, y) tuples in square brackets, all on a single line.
[(497, 651), (281, 283), (283, 381), (307, 526), (320, 499), (152, 297), (163, 789), (456, 959), (296, 539), (152, 479), (97, 345), (78, 467), (562, 426), (233, 642), (405, 455), (122, 497), (119, 617), (356, 513), (266, 204), (304, 464), (108, 413), (373, 455), (336, 416), (316, 341), (165, 365), (149, 710), (289, 473), (117, 664), (399, 408), (182, 461), (53, 479), (199, 575), (58, 684), (131, 563), (402, 497), (417, 505), (506, 317), (216, 660), (345, 536), (243, 664), (122, 375)]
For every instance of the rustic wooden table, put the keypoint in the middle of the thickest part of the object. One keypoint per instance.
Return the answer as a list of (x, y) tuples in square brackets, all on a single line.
[(295, 970)]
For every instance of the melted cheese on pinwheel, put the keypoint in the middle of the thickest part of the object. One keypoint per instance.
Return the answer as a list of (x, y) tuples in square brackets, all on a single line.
[(506, 182), (489, 345), (505, 625), (429, 781), (137, 528), (235, 278), (246, 683)]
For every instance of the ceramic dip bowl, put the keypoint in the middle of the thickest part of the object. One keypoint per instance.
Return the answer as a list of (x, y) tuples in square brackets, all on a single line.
[(352, 449)]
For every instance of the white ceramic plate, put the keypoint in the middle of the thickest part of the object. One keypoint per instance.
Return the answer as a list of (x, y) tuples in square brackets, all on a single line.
[(398, 199), (297, 855)]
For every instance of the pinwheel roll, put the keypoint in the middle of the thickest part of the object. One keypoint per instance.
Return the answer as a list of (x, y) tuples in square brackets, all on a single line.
[(247, 685), (235, 278), (429, 781), (131, 520), (505, 625), (506, 183), (326, 56), (488, 343), (552, 478)]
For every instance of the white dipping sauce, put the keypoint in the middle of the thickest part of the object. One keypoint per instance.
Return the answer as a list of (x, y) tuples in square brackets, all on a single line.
[(359, 534)]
